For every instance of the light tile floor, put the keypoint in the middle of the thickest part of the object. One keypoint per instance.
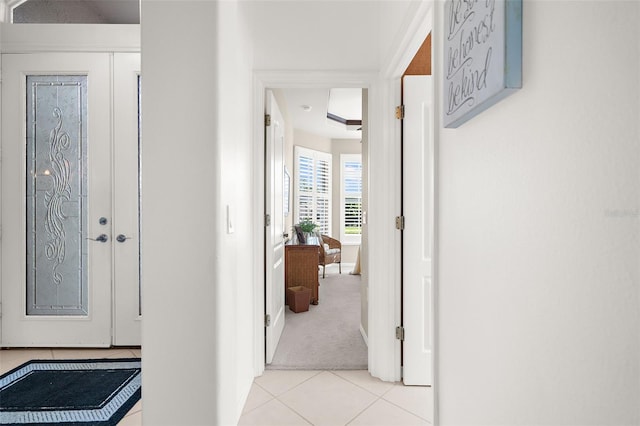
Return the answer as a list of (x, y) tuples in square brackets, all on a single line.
[(288, 397), (339, 397)]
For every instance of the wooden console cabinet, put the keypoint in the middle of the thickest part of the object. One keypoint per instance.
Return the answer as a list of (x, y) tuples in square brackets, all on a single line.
[(301, 268)]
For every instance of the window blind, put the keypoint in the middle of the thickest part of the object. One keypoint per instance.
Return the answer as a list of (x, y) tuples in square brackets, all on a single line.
[(313, 187)]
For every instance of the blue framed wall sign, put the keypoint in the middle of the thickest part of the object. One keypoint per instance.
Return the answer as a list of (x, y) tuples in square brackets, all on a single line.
[(482, 56)]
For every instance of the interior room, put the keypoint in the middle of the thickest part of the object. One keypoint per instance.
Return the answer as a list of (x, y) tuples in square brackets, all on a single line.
[(323, 162), (520, 302)]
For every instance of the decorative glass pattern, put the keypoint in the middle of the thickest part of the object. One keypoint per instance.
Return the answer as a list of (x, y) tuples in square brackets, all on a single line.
[(57, 195)]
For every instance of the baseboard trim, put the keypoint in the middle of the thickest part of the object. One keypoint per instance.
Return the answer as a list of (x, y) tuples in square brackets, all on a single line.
[(364, 336)]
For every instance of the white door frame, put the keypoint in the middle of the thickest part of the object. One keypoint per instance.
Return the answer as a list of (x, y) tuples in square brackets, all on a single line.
[(383, 362), (384, 201), (40, 38)]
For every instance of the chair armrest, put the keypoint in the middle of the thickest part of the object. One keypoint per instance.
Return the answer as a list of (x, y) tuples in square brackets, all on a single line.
[(333, 243)]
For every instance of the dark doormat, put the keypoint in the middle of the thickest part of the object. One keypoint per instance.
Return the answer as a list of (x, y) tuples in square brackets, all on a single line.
[(84, 392)]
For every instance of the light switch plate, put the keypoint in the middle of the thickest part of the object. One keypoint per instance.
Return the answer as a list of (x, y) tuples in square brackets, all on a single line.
[(230, 220)]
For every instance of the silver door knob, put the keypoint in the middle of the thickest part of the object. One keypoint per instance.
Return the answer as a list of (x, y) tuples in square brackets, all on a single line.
[(102, 238), (121, 238)]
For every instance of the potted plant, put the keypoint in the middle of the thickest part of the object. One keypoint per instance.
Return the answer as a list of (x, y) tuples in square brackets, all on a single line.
[(308, 228)]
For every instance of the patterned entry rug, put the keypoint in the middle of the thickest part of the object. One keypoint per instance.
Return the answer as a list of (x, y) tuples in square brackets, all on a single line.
[(96, 392)]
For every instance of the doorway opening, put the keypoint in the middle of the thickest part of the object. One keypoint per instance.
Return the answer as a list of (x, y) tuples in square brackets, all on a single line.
[(316, 157)]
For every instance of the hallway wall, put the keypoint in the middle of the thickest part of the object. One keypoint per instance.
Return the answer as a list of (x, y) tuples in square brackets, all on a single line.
[(198, 280), (539, 233), (198, 152)]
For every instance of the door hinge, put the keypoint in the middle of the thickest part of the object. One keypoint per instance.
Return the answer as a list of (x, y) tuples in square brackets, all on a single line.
[(400, 223), (400, 112), (267, 120), (267, 320), (400, 333), (267, 220)]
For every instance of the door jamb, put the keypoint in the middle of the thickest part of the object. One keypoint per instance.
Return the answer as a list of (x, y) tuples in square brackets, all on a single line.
[(421, 25), (383, 362), (384, 158)]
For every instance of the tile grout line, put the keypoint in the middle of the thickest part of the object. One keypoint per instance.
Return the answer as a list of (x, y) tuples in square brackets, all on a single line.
[(288, 390), (404, 409), (346, 380), (294, 410), (393, 384), (273, 396), (354, 384), (363, 410), (378, 397), (259, 405)]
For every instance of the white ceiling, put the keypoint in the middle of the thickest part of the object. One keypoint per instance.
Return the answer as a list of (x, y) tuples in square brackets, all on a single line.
[(346, 103)]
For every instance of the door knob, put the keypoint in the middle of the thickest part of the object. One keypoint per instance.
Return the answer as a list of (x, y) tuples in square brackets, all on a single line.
[(122, 238), (101, 238)]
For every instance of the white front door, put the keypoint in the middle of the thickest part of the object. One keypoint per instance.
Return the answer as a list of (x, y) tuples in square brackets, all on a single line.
[(274, 234), (58, 200), (418, 210), (126, 199)]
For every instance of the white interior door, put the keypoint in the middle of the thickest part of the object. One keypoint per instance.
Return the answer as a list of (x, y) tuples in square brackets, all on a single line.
[(274, 238), (126, 200), (418, 209), (56, 187)]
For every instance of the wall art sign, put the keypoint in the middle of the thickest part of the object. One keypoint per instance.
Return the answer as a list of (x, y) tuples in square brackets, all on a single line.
[(482, 56)]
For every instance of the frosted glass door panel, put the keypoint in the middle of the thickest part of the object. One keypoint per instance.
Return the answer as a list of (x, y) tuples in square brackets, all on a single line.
[(57, 195)]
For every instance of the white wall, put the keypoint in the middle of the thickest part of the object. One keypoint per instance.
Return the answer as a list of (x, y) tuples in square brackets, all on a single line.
[(315, 35), (197, 279), (235, 83), (539, 231), (194, 282), (393, 15), (311, 141)]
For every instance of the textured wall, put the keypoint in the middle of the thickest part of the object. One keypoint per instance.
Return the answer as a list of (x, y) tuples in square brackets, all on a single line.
[(539, 234)]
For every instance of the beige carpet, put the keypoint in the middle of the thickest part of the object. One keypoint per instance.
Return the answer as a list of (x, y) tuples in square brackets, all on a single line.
[(327, 337)]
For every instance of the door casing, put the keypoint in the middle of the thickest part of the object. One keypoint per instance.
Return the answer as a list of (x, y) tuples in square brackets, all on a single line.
[(42, 38)]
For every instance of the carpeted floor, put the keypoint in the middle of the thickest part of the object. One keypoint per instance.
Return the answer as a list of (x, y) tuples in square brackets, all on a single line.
[(327, 337)]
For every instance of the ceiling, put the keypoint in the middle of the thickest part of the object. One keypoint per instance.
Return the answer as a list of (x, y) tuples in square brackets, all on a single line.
[(346, 103)]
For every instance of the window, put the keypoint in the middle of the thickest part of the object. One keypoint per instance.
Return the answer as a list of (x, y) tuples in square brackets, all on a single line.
[(313, 187), (350, 198)]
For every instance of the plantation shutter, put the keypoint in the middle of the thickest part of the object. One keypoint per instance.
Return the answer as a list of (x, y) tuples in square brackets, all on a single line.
[(313, 187), (351, 197), (323, 190)]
